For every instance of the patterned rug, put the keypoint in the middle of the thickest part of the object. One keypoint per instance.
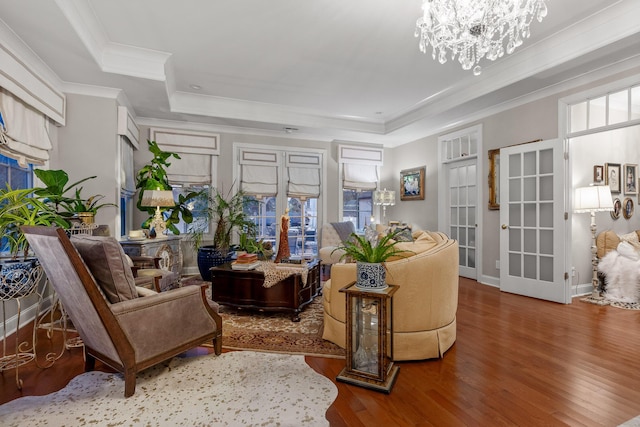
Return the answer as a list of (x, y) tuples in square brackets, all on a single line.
[(239, 388), (274, 331)]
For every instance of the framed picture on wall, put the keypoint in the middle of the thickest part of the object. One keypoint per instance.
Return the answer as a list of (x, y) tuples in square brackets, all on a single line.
[(630, 179), (598, 174), (617, 207), (627, 208), (612, 177), (412, 184)]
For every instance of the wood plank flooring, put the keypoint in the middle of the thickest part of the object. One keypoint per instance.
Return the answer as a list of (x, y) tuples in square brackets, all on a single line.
[(516, 361)]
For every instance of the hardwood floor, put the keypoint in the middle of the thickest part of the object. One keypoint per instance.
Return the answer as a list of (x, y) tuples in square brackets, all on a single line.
[(516, 361)]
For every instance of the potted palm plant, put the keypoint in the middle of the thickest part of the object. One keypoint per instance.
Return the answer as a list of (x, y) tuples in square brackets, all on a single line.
[(370, 252), (227, 212)]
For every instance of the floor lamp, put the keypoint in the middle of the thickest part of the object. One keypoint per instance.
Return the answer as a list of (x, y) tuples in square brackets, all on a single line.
[(592, 199), (384, 198)]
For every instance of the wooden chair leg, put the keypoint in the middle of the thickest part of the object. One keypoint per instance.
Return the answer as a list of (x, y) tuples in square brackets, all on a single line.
[(217, 343), (129, 383), (89, 362)]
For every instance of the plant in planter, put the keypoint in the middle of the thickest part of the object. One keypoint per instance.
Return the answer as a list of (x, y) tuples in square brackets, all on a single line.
[(251, 245), (370, 253), (153, 176), (85, 208), (227, 212), (18, 208)]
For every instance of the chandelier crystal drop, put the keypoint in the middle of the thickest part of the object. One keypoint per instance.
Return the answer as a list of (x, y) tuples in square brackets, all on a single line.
[(475, 29)]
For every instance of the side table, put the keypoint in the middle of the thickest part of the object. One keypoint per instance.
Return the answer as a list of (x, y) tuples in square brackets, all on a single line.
[(167, 248), (369, 338)]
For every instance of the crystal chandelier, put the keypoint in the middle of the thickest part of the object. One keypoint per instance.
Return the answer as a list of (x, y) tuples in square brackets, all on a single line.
[(474, 29)]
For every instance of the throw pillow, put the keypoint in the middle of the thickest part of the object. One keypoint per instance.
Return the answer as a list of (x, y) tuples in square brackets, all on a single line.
[(404, 235), (629, 237), (108, 263)]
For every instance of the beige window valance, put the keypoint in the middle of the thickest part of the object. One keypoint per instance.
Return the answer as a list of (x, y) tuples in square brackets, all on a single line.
[(26, 137)]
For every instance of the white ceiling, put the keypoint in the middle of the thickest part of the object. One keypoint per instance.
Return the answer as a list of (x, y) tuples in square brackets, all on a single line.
[(333, 69)]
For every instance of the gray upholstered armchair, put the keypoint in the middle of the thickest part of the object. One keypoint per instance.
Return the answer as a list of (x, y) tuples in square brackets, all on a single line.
[(333, 234), (129, 333)]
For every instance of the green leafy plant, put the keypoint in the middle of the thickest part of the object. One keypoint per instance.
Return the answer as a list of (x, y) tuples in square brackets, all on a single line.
[(18, 208), (56, 187), (153, 176), (227, 212), (370, 248), (250, 244), (78, 204)]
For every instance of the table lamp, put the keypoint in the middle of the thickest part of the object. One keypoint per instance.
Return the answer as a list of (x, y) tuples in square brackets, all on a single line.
[(384, 198), (592, 199), (158, 198)]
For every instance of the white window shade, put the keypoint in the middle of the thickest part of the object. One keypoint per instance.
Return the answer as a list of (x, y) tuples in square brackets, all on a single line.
[(26, 139), (359, 177), (194, 169), (259, 180), (303, 182), (127, 179)]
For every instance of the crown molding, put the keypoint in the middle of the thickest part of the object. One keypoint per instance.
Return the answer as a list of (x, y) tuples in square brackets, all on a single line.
[(188, 103), (25, 75), (112, 57), (226, 129), (90, 90)]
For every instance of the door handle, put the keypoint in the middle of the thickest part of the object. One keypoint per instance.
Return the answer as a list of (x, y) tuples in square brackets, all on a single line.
[(505, 226)]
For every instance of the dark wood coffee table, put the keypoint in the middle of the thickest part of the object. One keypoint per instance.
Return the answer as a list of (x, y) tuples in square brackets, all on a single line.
[(244, 289)]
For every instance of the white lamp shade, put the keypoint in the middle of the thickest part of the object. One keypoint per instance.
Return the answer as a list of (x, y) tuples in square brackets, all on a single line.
[(154, 198), (595, 198), (384, 197)]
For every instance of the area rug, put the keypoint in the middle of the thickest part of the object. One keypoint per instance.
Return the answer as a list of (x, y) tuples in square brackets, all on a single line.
[(239, 388), (634, 422), (274, 331)]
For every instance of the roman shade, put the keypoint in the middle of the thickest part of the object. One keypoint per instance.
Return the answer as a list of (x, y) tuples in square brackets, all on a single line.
[(127, 178), (303, 170), (197, 151), (259, 172), (26, 138), (359, 177)]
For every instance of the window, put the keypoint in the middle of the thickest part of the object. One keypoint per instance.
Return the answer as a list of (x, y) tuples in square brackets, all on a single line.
[(17, 177), (279, 180), (357, 207), (605, 110), (198, 207)]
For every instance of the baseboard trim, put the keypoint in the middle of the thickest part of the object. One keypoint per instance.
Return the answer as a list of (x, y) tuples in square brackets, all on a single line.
[(27, 315)]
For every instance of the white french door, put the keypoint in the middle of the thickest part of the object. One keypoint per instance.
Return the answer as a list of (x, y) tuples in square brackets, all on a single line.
[(532, 223), (463, 190)]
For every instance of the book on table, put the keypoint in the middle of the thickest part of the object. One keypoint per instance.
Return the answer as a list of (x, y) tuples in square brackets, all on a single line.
[(244, 265)]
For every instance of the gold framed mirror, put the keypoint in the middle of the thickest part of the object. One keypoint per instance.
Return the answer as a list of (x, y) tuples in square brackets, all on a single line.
[(494, 179)]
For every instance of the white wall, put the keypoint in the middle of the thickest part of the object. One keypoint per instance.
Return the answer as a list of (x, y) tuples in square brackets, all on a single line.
[(88, 146)]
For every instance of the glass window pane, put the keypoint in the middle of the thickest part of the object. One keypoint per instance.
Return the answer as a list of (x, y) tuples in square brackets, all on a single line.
[(597, 110), (546, 215), (546, 268), (578, 120), (472, 236), (471, 194), (530, 215), (514, 165), (635, 103), (530, 189), (471, 174), (515, 192), (619, 107), (530, 267), (546, 242), (454, 233), (515, 269), (462, 253), (454, 216), (515, 240), (471, 258), (530, 163), (546, 161), (462, 236), (515, 215), (471, 220), (546, 188), (530, 243)]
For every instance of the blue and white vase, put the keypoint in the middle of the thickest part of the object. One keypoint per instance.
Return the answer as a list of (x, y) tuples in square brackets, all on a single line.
[(371, 276)]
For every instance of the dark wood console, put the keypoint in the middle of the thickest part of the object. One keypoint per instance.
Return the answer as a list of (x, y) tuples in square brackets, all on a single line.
[(244, 289)]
